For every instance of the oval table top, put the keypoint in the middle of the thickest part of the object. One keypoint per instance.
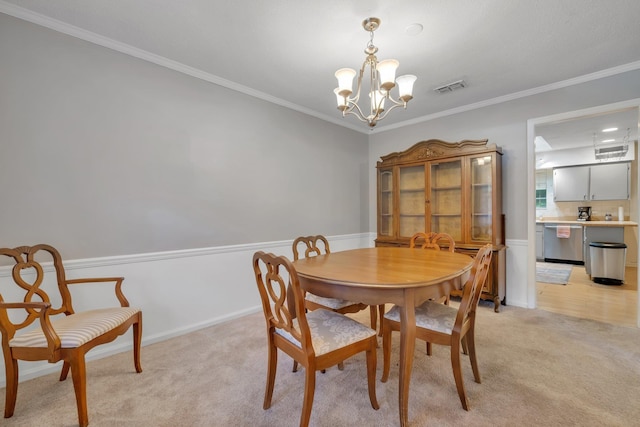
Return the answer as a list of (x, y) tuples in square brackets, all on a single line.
[(385, 267)]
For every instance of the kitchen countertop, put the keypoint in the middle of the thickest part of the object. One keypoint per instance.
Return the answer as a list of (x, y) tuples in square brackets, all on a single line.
[(612, 223)]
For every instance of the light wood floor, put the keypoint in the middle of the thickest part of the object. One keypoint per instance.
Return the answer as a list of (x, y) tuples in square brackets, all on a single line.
[(585, 299)]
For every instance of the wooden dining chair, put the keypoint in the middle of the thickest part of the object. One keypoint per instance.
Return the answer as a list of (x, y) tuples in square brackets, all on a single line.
[(445, 325), (57, 333), (433, 240), (316, 339), (318, 245), (308, 246)]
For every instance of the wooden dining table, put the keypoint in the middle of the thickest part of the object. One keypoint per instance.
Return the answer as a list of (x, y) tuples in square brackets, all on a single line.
[(374, 276)]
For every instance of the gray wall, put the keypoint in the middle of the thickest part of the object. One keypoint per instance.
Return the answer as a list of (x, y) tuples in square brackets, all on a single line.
[(504, 124), (104, 154)]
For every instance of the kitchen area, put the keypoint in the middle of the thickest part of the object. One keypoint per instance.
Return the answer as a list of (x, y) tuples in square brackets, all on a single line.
[(567, 228), (586, 198)]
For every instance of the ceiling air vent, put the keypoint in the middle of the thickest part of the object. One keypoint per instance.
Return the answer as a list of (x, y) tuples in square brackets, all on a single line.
[(450, 87), (611, 152)]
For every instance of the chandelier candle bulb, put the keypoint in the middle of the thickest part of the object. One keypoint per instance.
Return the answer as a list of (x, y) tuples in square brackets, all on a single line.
[(341, 100), (405, 86), (387, 70), (377, 101), (345, 80)]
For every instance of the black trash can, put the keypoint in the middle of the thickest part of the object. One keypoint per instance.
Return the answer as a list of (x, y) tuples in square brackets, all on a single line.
[(607, 262)]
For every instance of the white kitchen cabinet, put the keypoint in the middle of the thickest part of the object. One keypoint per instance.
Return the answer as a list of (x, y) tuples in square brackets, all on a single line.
[(609, 181), (605, 181), (571, 184)]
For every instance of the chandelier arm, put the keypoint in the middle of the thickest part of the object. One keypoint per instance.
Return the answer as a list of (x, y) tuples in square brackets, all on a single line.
[(358, 112), (397, 104), (358, 115), (356, 98)]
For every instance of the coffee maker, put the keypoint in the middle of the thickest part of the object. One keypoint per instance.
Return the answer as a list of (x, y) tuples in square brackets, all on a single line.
[(584, 213)]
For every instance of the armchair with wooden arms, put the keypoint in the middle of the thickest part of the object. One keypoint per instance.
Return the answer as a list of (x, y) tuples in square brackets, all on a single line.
[(57, 333)]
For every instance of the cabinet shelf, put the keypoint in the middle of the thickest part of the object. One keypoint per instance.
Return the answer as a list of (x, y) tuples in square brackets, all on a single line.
[(449, 188)]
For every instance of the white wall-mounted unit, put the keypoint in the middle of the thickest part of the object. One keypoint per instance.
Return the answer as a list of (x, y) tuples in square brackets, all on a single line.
[(608, 181)]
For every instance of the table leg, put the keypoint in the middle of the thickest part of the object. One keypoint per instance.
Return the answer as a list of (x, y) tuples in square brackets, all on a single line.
[(407, 346)]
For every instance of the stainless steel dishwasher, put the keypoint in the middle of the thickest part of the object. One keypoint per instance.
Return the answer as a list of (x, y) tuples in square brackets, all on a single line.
[(563, 243)]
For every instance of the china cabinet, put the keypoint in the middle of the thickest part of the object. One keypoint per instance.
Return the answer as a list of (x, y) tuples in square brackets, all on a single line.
[(455, 188)]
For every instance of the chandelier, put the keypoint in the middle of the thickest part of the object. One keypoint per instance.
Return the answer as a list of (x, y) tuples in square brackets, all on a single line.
[(381, 77)]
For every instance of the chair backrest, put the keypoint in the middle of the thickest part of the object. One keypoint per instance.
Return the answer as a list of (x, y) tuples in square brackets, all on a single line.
[(281, 295), (432, 239), (313, 245), (28, 274), (473, 288)]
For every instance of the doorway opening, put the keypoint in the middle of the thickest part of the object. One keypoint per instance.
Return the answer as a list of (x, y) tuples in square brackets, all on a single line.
[(566, 299)]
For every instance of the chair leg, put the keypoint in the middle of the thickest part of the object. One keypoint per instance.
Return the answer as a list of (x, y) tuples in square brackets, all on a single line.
[(471, 344), (457, 374), (79, 376), (386, 351), (309, 390), (373, 314), (295, 366), (340, 367), (137, 341), (272, 363), (11, 390), (381, 317), (465, 347), (65, 370), (429, 348), (371, 375)]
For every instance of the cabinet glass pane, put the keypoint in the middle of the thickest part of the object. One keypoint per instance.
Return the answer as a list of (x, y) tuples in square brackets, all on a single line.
[(446, 198), (481, 198), (386, 203), (411, 201)]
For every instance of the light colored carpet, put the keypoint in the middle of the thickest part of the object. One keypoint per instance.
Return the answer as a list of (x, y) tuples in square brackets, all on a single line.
[(538, 369), (558, 274)]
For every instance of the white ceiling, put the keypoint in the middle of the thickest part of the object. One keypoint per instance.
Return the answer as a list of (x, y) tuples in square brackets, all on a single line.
[(286, 51)]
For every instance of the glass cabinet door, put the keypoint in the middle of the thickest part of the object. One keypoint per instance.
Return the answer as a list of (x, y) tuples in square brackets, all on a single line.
[(445, 190), (385, 200), (411, 183), (481, 198)]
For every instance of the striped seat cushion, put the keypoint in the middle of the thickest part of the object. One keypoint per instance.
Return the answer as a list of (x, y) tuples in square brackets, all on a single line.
[(330, 331), (77, 329)]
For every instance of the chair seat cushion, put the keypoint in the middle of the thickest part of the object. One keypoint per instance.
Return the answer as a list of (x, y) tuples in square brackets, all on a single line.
[(77, 329), (430, 315), (330, 331), (332, 303)]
